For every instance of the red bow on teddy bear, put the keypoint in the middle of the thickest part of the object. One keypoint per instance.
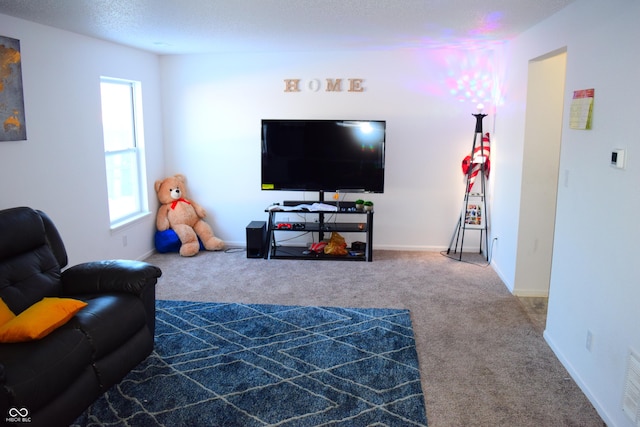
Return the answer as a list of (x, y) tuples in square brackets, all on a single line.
[(175, 202)]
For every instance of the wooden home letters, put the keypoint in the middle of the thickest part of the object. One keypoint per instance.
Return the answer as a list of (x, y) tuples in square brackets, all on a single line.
[(331, 85)]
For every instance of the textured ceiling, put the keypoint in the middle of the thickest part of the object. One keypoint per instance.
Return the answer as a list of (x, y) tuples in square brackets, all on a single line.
[(195, 26)]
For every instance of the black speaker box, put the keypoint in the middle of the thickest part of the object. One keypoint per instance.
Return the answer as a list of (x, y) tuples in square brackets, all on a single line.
[(358, 246), (256, 239)]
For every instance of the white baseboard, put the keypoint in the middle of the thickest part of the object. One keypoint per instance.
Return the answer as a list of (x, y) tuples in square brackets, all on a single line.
[(574, 375), (501, 275), (242, 244), (410, 248), (534, 293), (146, 255)]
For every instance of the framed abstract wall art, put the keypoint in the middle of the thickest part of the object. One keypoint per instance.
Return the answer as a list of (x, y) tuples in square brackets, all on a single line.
[(12, 119)]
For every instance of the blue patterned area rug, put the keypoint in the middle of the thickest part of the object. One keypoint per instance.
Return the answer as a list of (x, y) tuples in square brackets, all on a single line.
[(220, 365)]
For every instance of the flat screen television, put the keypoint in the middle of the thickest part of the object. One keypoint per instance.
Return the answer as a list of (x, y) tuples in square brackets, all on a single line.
[(323, 155)]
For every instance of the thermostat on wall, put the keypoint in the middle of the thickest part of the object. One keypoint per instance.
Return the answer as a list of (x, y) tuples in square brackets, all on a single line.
[(617, 158)]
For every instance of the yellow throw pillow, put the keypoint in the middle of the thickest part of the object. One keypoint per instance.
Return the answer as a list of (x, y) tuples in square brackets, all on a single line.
[(40, 319), (5, 313)]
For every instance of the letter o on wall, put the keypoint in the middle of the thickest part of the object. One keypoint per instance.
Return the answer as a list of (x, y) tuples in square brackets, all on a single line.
[(314, 85)]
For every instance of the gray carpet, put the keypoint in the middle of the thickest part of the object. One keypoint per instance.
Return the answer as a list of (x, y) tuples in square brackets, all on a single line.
[(482, 361)]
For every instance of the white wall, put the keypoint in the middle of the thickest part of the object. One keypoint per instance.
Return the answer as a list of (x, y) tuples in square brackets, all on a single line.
[(212, 109), (594, 277), (60, 167), (213, 105)]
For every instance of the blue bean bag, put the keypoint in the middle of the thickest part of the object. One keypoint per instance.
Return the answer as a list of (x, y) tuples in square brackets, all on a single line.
[(168, 241)]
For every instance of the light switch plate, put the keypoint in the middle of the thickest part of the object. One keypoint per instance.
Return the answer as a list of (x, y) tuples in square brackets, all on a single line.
[(617, 158)]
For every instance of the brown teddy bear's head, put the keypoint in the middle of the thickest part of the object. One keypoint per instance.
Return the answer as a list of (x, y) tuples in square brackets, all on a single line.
[(171, 188)]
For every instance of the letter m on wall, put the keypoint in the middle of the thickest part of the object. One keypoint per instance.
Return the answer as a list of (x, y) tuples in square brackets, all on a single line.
[(334, 85)]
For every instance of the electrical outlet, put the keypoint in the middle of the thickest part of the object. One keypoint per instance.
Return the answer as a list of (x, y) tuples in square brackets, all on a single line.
[(124, 241), (589, 341)]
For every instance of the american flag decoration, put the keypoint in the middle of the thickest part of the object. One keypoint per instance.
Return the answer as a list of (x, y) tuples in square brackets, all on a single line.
[(480, 155)]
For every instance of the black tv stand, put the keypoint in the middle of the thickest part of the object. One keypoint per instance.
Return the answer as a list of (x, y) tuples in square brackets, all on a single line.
[(321, 226)]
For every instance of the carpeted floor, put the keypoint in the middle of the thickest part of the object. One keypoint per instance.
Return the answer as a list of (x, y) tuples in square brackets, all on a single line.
[(482, 361), (228, 364)]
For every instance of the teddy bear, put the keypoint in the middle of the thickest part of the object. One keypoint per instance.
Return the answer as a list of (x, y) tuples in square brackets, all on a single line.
[(183, 216)]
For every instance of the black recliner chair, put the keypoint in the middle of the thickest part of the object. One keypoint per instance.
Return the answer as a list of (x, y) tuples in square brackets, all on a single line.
[(52, 380)]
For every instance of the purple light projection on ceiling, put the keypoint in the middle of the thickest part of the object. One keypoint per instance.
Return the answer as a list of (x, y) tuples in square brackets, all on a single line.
[(473, 69), (464, 74), (471, 75), (488, 25), (465, 68)]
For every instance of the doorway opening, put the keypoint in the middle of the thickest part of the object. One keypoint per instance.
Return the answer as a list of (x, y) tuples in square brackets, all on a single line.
[(540, 171)]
